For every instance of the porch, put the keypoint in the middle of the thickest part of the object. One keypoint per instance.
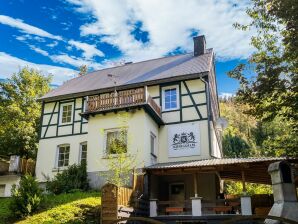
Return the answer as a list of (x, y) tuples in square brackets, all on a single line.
[(194, 188)]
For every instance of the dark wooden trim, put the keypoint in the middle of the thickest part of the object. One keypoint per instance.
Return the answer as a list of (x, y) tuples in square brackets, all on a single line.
[(196, 105), (49, 125), (196, 92), (57, 129), (50, 120), (192, 99), (82, 111), (177, 122), (50, 113), (169, 111), (73, 115), (41, 120), (83, 133), (180, 102)]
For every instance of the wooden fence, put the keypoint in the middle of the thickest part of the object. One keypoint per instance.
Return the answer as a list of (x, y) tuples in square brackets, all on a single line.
[(121, 202)]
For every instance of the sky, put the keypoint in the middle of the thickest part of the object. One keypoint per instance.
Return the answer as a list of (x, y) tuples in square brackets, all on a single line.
[(58, 36)]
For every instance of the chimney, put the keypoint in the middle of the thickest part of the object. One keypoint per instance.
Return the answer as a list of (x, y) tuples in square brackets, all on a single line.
[(199, 45)]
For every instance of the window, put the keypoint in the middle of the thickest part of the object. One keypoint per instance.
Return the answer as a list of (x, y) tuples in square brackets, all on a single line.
[(66, 113), (170, 98), (83, 152), (63, 155), (116, 141), (153, 144)]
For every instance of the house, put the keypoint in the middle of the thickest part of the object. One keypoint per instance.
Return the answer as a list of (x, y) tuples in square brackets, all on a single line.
[(173, 128), (172, 106)]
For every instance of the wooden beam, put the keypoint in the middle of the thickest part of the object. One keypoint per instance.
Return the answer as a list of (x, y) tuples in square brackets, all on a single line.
[(243, 181), (195, 181)]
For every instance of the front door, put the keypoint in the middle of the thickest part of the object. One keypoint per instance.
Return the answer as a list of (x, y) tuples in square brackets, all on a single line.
[(176, 192)]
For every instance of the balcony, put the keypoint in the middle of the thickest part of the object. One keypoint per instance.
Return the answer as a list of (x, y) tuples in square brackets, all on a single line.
[(123, 100)]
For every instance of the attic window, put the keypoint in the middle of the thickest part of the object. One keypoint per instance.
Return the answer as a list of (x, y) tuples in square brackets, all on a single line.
[(170, 100)]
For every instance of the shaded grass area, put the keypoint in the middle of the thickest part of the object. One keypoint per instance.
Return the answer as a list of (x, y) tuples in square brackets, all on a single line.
[(63, 208), (5, 213)]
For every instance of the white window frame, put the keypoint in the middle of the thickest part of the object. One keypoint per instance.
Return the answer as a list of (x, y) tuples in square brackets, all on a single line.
[(61, 113), (154, 153), (81, 150), (164, 97), (57, 156), (106, 153)]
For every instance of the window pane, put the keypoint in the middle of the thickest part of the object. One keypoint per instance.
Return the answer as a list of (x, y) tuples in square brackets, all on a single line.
[(167, 105), (152, 143), (173, 105)]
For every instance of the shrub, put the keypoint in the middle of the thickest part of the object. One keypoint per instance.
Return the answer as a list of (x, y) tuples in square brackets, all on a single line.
[(26, 197), (73, 178)]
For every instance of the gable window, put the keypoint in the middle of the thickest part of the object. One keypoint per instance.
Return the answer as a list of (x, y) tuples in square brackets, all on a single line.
[(63, 155), (170, 99), (66, 113), (83, 152), (116, 141)]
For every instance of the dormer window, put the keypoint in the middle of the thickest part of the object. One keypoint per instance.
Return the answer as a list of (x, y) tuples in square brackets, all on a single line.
[(170, 99)]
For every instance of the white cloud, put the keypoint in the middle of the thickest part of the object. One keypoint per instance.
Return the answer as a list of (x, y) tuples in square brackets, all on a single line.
[(226, 95), (10, 65), (169, 24), (77, 62), (26, 28), (54, 44), (89, 50), (38, 50)]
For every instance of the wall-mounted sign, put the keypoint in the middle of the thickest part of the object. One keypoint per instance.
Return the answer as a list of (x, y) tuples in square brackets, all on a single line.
[(184, 139)]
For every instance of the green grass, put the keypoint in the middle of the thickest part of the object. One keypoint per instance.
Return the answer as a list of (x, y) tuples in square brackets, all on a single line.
[(5, 213), (64, 208)]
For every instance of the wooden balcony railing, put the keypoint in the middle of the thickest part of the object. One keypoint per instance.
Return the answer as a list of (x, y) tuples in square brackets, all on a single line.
[(121, 99)]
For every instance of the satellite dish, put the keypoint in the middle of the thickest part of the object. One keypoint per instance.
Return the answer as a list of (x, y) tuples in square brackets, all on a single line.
[(221, 123)]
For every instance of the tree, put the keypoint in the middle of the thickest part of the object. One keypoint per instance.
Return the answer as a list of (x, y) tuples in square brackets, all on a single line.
[(20, 112), (25, 198), (239, 136), (272, 94), (83, 70), (120, 162)]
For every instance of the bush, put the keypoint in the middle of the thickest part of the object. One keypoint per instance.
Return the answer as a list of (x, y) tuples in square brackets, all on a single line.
[(26, 198), (73, 178)]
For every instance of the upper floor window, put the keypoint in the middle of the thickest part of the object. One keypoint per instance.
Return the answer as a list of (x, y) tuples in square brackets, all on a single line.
[(83, 152), (66, 110), (116, 141), (170, 98), (63, 155)]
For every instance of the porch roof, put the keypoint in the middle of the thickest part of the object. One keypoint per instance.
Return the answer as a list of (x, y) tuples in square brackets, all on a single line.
[(253, 170)]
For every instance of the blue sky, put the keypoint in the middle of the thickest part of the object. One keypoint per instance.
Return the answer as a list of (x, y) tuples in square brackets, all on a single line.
[(58, 36)]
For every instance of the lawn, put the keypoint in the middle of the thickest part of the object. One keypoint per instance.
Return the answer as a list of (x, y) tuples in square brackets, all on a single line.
[(64, 208)]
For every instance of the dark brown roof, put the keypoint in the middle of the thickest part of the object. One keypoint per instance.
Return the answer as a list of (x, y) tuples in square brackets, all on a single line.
[(135, 73)]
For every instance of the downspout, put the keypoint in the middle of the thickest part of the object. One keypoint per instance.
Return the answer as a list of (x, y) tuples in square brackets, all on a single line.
[(208, 113)]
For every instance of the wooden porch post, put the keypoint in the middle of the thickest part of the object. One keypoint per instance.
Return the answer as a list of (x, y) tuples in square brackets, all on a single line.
[(195, 181), (243, 181)]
